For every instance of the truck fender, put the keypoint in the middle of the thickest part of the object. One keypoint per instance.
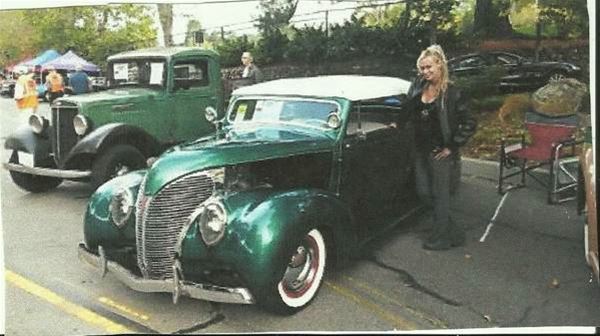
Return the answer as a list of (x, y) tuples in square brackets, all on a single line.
[(117, 133), (266, 231), (25, 140)]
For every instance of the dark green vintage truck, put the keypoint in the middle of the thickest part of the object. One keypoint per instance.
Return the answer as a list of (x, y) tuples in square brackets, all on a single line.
[(156, 98)]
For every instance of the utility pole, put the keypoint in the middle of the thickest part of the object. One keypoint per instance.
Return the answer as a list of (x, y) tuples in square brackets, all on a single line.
[(538, 31), (327, 23), (222, 33)]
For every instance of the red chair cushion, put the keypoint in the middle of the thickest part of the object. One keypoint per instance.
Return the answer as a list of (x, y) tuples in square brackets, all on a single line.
[(543, 137)]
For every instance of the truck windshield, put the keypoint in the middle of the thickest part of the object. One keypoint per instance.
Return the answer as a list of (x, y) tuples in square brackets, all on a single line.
[(137, 73), (310, 113)]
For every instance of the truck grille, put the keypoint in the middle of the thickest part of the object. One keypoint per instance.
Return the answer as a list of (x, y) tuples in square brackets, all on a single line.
[(63, 133), (161, 218)]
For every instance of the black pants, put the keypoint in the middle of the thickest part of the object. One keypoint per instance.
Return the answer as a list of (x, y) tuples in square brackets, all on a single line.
[(436, 180)]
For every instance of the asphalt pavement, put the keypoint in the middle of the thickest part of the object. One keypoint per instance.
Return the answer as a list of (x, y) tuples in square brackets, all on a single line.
[(526, 268)]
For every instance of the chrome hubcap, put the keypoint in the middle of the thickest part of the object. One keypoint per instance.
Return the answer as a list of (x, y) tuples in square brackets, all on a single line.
[(298, 272)]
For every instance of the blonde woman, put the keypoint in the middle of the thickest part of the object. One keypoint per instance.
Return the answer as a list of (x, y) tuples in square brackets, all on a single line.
[(442, 124)]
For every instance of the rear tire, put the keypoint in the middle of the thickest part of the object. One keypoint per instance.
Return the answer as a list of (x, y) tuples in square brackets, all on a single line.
[(302, 277), (33, 183), (556, 76), (116, 161)]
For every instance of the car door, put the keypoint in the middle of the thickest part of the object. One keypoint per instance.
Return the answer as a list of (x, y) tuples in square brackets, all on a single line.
[(468, 66), (193, 89), (516, 73), (376, 165), (142, 97)]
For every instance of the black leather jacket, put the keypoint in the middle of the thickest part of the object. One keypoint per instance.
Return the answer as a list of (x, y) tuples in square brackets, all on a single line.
[(456, 121)]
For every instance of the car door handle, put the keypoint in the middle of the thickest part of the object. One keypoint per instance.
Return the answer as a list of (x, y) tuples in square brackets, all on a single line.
[(122, 107)]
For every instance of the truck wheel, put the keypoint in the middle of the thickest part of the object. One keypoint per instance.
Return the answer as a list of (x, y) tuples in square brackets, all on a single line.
[(33, 183), (302, 277), (116, 161)]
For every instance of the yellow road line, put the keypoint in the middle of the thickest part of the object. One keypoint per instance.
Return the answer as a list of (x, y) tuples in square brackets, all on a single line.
[(123, 308), (69, 307), (398, 322), (378, 293)]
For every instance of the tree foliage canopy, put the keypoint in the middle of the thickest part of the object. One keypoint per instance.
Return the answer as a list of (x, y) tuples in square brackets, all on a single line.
[(94, 32)]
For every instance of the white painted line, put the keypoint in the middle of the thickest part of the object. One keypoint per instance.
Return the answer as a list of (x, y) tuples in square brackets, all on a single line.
[(491, 223)]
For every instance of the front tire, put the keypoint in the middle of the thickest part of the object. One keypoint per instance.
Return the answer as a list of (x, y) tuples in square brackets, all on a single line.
[(302, 277), (556, 77), (33, 183), (116, 161)]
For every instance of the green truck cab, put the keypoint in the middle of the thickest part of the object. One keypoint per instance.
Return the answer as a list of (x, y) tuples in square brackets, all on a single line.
[(156, 98)]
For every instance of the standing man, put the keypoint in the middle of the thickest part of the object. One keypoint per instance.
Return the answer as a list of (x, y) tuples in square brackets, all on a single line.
[(54, 84), (26, 94), (251, 72), (79, 81)]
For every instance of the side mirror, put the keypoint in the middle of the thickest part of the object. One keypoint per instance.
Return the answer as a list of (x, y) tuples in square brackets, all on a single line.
[(210, 114), (333, 120)]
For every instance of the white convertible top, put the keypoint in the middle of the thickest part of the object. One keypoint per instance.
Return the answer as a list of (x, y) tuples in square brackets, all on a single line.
[(351, 87)]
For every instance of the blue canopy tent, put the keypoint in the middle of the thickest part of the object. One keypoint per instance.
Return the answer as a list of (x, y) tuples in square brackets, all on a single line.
[(69, 62), (42, 58)]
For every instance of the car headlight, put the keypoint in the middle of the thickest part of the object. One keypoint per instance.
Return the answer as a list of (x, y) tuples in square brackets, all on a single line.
[(38, 123), (211, 220), (80, 124), (121, 206)]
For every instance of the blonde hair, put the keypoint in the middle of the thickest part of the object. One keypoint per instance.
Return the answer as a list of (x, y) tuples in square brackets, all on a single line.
[(436, 52)]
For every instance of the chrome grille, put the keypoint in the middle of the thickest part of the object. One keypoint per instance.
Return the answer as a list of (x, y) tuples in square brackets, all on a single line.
[(160, 219), (64, 136)]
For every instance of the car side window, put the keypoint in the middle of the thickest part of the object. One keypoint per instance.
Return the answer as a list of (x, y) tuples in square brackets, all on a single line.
[(503, 59), (471, 62), (190, 73), (373, 117)]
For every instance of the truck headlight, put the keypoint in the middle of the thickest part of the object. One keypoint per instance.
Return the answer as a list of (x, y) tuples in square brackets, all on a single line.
[(80, 124), (121, 206), (211, 220), (38, 123)]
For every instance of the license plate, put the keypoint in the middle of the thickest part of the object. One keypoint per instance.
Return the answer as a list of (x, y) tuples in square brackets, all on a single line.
[(26, 159)]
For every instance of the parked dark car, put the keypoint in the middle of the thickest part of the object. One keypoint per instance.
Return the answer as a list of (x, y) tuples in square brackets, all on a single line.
[(299, 174), (8, 87), (518, 72)]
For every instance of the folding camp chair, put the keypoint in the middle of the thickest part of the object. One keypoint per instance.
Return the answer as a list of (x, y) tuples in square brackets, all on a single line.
[(552, 144)]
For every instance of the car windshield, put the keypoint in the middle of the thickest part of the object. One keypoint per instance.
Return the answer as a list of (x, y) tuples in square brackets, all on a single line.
[(137, 73), (312, 113)]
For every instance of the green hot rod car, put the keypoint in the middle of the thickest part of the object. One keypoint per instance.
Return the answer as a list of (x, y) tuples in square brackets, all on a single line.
[(298, 174)]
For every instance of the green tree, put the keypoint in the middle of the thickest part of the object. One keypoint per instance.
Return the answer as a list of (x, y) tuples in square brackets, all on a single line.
[(165, 15), (13, 48), (569, 17), (491, 18), (272, 23), (94, 32)]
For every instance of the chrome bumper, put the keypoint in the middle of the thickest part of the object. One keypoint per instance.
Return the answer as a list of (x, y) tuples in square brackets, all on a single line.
[(176, 286), (60, 173)]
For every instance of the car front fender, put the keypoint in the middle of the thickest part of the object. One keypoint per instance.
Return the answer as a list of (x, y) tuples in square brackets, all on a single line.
[(265, 227), (112, 134), (98, 226), (25, 140)]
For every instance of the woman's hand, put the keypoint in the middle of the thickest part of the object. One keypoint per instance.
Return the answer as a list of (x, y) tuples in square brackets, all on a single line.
[(444, 153)]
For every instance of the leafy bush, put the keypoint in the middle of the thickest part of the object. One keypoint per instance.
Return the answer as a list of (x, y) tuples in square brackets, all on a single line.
[(481, 85), (308, 44), (231, 49), (271, 48)]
